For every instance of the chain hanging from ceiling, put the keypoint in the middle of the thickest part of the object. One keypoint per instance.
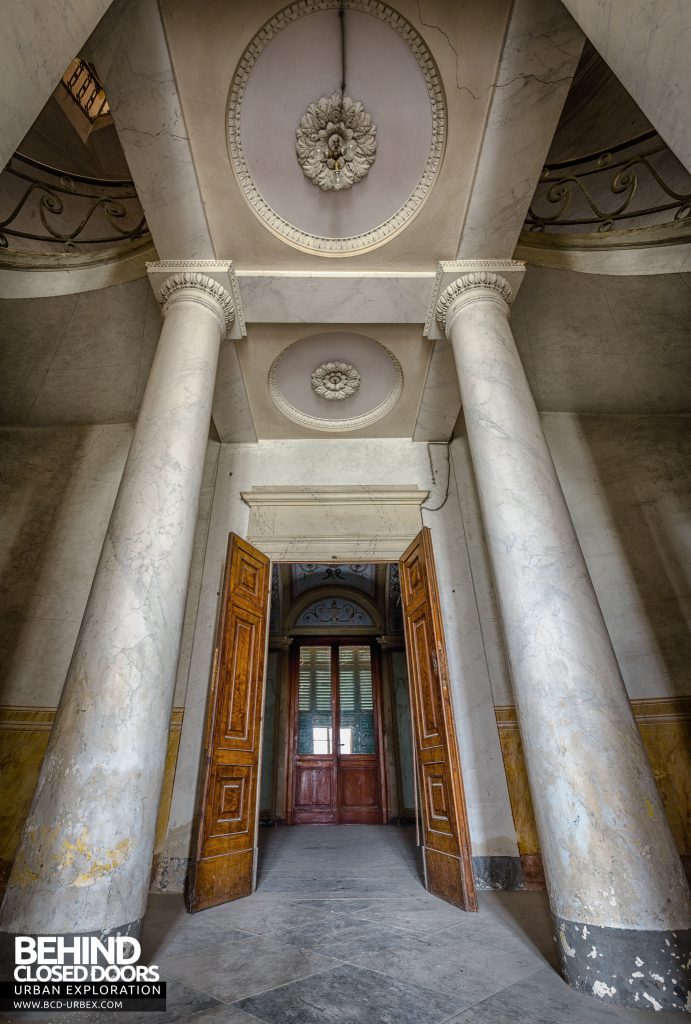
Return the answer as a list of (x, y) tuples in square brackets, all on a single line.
[(336, 140)]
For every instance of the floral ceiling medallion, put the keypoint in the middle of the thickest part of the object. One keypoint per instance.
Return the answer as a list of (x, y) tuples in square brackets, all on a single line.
[(336, 142), (335, 381)]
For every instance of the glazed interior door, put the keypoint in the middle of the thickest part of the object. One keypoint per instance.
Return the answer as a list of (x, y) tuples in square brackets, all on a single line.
[(337, 771), (224, 866), (446, 840)]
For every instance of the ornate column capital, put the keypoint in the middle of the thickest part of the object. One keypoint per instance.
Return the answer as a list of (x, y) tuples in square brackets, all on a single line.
[(211, 282), (202, 288), (481, 284)]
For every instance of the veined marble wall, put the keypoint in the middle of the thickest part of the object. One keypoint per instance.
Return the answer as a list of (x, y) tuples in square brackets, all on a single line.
[(57, 488), (627, 481), (665, 725)]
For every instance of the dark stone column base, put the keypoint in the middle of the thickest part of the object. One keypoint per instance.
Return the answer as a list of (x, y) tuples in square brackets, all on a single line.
[(498, 873), (648, 970), (133, 930)]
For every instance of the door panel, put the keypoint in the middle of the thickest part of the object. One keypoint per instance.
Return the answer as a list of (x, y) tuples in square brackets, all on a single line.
[(446, 839), (225, 853), (358, 791)]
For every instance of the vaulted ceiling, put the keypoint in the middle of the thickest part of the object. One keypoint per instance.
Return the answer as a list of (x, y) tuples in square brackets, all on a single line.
[(462, 101)]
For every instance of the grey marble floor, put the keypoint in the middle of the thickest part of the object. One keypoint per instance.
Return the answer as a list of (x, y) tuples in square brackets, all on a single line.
[(341, 931)]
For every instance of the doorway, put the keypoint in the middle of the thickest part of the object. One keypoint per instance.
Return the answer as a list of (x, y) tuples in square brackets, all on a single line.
[(329, 754), (336, 767)]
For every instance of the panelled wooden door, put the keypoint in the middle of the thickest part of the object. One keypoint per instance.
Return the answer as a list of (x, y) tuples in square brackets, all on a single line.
[(336, 767), (224, 863), (446, 839)]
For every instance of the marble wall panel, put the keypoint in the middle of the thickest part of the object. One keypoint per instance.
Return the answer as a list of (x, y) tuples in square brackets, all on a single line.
[(24, 734), (489, 818), (627, 481), (31, 330), (57, 488), (665, 726), (597, 343), (77, 358)]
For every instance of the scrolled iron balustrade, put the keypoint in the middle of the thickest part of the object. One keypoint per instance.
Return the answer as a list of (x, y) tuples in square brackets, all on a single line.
[(584, 186), (94, 214)]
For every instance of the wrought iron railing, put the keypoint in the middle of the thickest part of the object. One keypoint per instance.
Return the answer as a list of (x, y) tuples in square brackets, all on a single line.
[(50, 208), (84, 88), (605, 189)]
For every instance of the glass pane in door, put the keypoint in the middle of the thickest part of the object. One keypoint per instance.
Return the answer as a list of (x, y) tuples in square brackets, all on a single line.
[(356, 703), (315, 716)]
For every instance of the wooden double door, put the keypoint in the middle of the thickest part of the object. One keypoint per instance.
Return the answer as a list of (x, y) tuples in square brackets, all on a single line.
[(336, 769)]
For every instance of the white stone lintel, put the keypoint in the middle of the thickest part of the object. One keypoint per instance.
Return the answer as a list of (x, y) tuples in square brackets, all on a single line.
[(449, 270), (334, 296), (335, 495), (337, 523), (221, 271)]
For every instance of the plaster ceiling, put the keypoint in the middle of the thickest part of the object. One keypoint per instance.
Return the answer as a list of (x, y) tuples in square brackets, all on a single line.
[(385, 405), (252, 70), (389, 70), (375, 372)]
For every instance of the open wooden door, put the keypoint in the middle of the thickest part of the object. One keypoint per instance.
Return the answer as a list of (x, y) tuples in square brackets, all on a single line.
[(224, 864), (446, 839)]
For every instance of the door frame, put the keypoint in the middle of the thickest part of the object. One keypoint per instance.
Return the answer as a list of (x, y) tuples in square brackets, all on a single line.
[(340, 640)]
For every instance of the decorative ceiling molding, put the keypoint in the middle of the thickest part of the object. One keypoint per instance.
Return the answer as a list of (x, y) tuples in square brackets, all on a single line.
[(281, 227), (335, 381), (449, 270), (327, 423), (220, 271), (335, 125)]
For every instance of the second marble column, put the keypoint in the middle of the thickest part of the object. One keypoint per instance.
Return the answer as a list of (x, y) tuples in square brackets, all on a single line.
[(618, 893)]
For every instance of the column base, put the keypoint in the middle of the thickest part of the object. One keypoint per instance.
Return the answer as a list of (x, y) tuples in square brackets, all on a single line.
[(7, 962), (648, 970)]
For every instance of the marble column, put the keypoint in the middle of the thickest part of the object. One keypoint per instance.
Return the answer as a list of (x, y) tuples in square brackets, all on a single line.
[(85, 854), (618, 893)]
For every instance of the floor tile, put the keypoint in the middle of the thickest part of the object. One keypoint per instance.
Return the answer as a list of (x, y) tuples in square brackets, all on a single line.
[(182, 1002), (416, 914), (469, 969), (544, 998), (343, 937), (339, 904), (233, 970), (261, 918), (351, 995), (220, 1014)]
